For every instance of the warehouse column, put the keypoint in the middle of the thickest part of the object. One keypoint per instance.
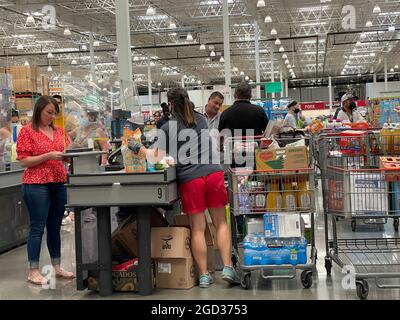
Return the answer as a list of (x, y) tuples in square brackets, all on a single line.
[(330, 94), (257, 47), (281, 80), (386, 75), (183, 81), (92, 70), (124, 54), (149, 86), (286, 87), (272, 70), (227, 52)]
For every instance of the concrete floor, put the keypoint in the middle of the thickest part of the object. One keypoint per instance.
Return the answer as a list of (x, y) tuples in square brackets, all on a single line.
[(13, 269)]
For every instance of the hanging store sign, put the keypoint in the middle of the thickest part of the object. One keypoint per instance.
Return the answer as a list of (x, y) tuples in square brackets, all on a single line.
[(273, 87)]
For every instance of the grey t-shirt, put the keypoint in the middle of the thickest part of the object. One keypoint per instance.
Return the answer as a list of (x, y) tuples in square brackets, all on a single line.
[(192, 148), (290, 121)]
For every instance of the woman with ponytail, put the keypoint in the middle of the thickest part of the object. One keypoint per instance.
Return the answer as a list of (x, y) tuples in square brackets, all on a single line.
[(200, 179)]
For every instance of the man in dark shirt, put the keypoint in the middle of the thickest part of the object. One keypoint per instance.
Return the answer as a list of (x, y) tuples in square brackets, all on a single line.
[(243, 115), (242, 119)]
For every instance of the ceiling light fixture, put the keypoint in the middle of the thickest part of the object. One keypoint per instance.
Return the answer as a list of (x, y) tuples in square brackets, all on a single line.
[(150, 11), (396, 66), (377, 9), (20, 47), (392, 29), (222, 59), (189, 37), (212, 54), (391, 70), (274, 32), (363, 35), (30, 19), (202, 47), (281, 49), (284, 56), (69, 73), (246, 78), (135, 58), (67, 32), (278, 42), (235, 69), (84, 47), (172, 25), (260, 4), (372, 54), (159, 84), (241, 73), (49, 69), (50, 55), (268, 19), (26, 64), (96, 43), (368, 24), (287, 61), (73, 61), (289, 66), (199, 82)]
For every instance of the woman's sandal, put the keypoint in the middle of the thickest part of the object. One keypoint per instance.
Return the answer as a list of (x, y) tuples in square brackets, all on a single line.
[(38, 280), (65, 274)]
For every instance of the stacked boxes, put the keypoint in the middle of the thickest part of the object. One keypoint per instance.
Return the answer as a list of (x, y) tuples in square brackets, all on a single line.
[(24, 78), (43, 85), (175, 267)]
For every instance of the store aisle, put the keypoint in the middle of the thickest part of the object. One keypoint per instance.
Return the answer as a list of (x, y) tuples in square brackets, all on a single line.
[(13, 274)]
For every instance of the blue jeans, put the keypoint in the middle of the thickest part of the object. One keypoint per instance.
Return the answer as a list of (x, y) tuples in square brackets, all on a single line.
[(46, 205)]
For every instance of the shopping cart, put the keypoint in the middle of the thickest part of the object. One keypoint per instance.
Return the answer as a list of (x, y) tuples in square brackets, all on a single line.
[(356, 188), (254, 197)]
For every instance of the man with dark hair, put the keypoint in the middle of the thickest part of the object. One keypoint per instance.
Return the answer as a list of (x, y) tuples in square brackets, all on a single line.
[(58, 98), (211, 110), (165, 118), (242, 114)]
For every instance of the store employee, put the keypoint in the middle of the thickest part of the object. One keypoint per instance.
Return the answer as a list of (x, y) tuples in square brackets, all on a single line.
[(348, 111)]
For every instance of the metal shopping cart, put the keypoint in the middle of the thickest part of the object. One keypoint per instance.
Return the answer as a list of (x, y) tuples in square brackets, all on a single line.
[(254, 197), (356, 188)]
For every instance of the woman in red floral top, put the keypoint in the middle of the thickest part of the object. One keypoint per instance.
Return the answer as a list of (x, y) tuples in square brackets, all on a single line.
[(39, 147)]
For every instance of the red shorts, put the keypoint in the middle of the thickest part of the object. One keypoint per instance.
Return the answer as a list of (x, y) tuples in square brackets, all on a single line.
[(206, 192)]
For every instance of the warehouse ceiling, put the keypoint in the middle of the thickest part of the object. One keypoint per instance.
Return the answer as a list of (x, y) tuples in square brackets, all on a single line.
[(312, 34)]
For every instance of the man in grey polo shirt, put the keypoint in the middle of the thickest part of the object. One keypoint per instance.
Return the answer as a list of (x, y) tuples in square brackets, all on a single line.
[(212, 114)]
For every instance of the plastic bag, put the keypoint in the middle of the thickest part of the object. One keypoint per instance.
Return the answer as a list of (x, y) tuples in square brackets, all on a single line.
[(132, 162)]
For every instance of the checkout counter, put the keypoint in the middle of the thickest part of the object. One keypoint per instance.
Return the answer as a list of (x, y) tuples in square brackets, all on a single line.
[(14, 218), (89, 186)]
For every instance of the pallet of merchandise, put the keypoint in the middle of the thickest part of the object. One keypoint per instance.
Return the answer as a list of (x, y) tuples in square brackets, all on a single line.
[(22, 72), (24, 104)]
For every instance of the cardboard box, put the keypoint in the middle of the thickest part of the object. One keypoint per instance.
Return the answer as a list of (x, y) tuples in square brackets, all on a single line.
[(286, 159), (392, 168), (24, 104), (170, 242), (296, 158), (267, 160), (368, 194), (124, 238), (24, 85), (176, 273), (23, 72), (123, 281), (282, 225)]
